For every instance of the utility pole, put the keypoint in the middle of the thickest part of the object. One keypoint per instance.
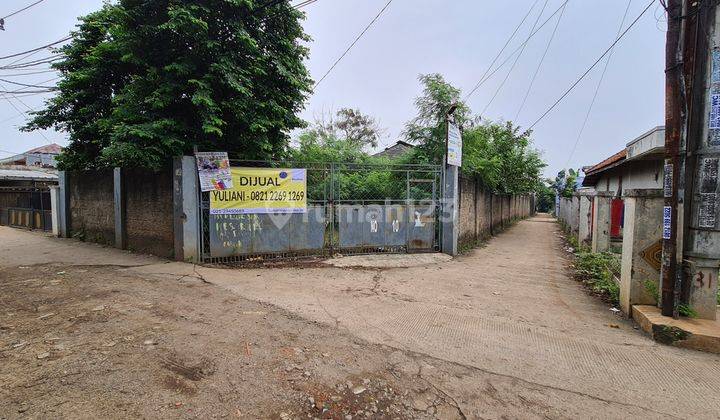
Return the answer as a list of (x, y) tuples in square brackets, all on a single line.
[(691, 239), (673, 130), (451, 170), (700, 189)]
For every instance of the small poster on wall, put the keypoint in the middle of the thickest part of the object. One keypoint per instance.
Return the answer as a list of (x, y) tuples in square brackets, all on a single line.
[(214, 171)]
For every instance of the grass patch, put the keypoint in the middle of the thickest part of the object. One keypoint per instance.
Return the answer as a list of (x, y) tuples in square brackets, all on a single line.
[(596, 270), (687, 311), (652, 289)]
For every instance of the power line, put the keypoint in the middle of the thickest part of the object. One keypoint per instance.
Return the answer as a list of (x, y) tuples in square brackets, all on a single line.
[(46, 60), (512, 54), (27, 85), (4, 96), (537, 70), (592, 66), (37, 49), (372, 22), (22, 10), (296, 7), (507, 42), (517, 58), (28, 73), (12, 92), (597, 88)]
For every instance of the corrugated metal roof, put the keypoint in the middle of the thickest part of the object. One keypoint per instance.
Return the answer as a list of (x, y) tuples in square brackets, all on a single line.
[(22, 175)]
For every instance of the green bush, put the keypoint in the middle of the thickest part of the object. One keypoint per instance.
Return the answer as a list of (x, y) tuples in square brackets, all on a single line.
[(597, 271), (687, 310), (652, 289)]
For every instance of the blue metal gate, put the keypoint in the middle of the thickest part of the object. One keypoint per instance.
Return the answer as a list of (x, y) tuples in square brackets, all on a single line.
[(352, 208)]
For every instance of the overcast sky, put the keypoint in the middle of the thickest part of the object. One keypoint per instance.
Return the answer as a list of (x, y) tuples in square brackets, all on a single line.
[(456, 38)]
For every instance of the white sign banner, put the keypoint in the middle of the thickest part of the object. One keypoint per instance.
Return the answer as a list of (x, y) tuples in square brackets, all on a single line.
[(454, 145), (214, 171)]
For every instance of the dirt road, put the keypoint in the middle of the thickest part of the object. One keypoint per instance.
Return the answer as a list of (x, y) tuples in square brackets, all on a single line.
[(503, 331)]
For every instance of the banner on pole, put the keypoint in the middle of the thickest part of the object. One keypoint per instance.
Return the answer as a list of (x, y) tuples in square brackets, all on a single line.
[(262, 191), (454, 145), (213, 171)]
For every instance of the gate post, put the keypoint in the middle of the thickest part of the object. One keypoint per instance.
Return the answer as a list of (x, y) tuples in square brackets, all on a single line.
[(63, 210), (55, 209), (186, 209), (119, 200), (450, 211)]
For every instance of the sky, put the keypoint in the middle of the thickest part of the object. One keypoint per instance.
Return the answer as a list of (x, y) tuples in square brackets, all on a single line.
[(457, 39)]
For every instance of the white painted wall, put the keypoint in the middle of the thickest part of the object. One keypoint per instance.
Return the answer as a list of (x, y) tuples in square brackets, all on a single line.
[(640, 174)]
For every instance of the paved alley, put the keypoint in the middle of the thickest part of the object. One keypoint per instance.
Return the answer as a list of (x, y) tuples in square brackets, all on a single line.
[(509, 308), (501, 331)]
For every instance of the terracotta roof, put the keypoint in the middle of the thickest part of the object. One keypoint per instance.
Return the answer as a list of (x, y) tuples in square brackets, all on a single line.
[(50, 149), (612, 160)]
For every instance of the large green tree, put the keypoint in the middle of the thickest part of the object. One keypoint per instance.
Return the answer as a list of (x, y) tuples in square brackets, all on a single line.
[(428, 129), (502, 156), (145, 80), (499, 154)]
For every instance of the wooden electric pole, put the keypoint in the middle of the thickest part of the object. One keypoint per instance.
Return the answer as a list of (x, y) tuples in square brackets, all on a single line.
[(673, 132)]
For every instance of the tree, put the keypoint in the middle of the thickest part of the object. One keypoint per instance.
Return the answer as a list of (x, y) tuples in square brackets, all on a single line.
[(545, 197), (566, 182), (322, 143), (429, 128), (498, 154), (501, 156), (143, 81), (349, 125), (358, 128)]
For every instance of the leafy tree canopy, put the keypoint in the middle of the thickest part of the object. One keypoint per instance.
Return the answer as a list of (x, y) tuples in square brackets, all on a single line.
[(349, 125), (499, 154), (502, 157), (145, 80), (566, 182), (429, 128), (545, 197)]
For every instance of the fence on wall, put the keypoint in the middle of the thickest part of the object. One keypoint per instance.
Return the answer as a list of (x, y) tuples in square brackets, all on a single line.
[(351, 208), (569, 213), (26, 207), (483, 213)]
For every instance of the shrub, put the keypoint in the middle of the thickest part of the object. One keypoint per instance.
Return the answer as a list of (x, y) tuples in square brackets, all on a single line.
[(597, 271), (652, 289)]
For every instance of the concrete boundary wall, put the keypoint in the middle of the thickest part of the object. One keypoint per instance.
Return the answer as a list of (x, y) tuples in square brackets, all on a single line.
[(128, 208), (91, 211), (569, 213), (483, 213)]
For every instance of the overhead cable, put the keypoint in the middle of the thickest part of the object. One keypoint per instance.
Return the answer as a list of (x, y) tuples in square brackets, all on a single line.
[(372, 22), (537, 70), (592, 66), (36, 49), (512, 67), (597, 89), (22, 10), (507, 42), (486, 76)]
